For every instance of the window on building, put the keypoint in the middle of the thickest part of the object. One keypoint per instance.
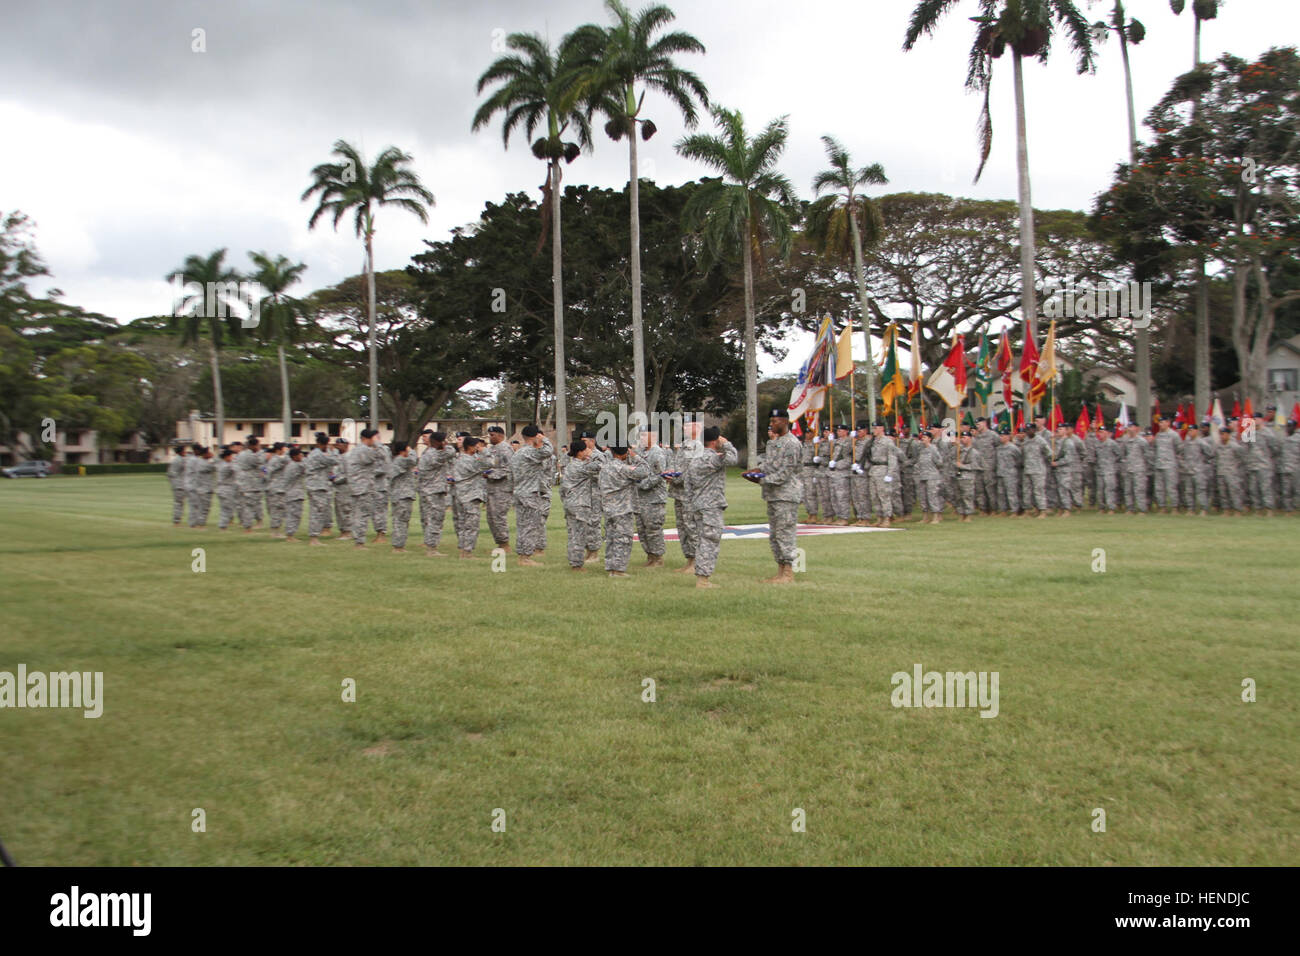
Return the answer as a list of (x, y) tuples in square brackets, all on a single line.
[(334, 429), (259, 429), (1284, 379), (295, 430)]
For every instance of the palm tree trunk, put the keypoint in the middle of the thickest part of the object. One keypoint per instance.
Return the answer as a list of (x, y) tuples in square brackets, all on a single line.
[(866, 314), (217, 397), (374, 355), (1202, 360), (557, 288), (1028, 292), (751, 357), (286, 412), (1142, 343), (638, 341)]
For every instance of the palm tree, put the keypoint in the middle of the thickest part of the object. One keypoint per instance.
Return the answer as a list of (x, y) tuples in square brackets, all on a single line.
[(633, 59), (208, 315), (750, 203), (1131, 31), (279, 315), (538, 88), (1025, 27), (351, 186), (826, 224), (1201, 10)]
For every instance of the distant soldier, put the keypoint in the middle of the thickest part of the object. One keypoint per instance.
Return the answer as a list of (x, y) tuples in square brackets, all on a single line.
[(1290, 458), (469, 491), (1186, 454), (1203, 452), (248, 477), (859, 489), (708, 483), (594, 534), (176, 478), (380, 495), (227, 488), (1230, 471), (361, 485), (781, 485), (401, 493), (339, 487), (1007, 471), (1109, 458), (1166, 467), (617, 482), (432, 470), (881, 462), (500, 488), (903, 487), (531, 471), (295, 492), (840, 468), (202, 474), (580, 474), (1037, 457), (316, 484), (807, 450), (825, 448), (927, 477), (1256, 443), (970, 467), (985, 441), (1133, 470), (1091, 441), (652, 501), (687, 533), (1067, 465), (277, 460)]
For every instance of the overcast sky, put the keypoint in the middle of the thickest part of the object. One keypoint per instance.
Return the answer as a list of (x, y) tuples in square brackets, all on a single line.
[(131, 151)]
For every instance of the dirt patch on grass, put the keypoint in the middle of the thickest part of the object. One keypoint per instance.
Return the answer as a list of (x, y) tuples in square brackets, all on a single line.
[(381, 749), (732, 682)]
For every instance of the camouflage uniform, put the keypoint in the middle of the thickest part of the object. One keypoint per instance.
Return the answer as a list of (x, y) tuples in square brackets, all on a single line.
[(1007, 470), (1259, 470), (176, 469), (617, 485), (275, 488), (652, 502), (202, 474), (500, 492), (361, 486), (824, 449), (1067, 466), (594, 533), (316, 483), (708, 484), (782, 487), (468, 492), (383, 466), (1090, 445), (575, 495), (810, 503), (1290, 459), (1229, 472), (927, 477), (840, 472), (1166, 471), (859, 487), (881, 462), (227, 493), (970, 469), (902, 489), (688, 535), (1037, 453), (1110, 455), (1133, 472), (248, 475), (339, 490), (531, 470), (435, 493), (295, 492), (1204, 452), (1187, 454), (986, 481)]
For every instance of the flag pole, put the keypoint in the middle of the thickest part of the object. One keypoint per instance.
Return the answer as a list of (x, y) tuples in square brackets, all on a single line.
[(853, 397)]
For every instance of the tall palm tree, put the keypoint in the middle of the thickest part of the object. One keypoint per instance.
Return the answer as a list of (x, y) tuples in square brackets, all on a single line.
[(1025, 27), (1131, 31), (280, 313), (350, 186), (1201, 10), (633, 62), (208, 316), (750, 204), (826, 224), (538, 88)]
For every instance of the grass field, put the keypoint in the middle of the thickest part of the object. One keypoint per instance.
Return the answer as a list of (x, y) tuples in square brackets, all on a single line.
[(523, 690)]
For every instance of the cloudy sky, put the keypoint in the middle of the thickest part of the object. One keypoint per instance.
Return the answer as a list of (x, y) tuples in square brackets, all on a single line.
[(131, 151)]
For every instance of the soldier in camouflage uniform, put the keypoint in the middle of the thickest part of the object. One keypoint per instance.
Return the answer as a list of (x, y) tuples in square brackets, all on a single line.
[(1229, 472), (1109, 459), (1203, 452), (1133, 470), (1007, 470), (361, 485), (781, 484), (295, 492), (1290, 459), (382, 467), (339, 487), (1187, 453), (176, 469), (652, 501), (1037, 454), (401, 492), (688, 535), (985, 441), (275, 465), (582, 471), (1090, 443), (202, 474), (1256, 441), (880, 459), (1166, 470), (316, 483), (859, 487), (807, 451), (841, 458), (227, 488), (927, 476), (707, 480), (1066, 464), (248, 478), (469, 491), (432, 471), (500, 488), (970, 468), (594, 533), (825, 447), (902, 489), (531, 468), (617, 482)]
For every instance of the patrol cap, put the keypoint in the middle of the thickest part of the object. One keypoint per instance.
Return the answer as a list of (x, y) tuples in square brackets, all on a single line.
[(779, 412), (842, 425), (862, 424), (496, 428), (342, 440), (587, 433), (1225, 430), (711, 433), (618, 449)]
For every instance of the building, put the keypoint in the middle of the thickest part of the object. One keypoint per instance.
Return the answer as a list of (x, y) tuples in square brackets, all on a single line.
[(302, 430), (81, 446)]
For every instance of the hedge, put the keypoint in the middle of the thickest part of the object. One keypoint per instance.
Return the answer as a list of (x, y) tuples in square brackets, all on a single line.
[(117, 469)]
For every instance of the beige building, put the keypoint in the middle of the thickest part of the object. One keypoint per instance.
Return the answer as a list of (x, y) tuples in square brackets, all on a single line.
[(80, 446), (202, 431)]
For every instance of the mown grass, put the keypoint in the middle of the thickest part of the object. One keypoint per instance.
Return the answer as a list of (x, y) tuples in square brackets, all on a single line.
[(523, 691)]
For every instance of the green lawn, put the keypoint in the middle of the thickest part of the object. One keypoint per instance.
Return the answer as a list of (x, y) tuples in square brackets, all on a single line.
[(523, 691)]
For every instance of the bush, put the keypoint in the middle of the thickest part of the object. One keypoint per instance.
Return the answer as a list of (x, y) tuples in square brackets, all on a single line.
[(118, 469)]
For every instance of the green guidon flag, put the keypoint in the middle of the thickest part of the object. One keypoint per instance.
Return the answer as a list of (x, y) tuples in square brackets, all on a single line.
[(983, 373)]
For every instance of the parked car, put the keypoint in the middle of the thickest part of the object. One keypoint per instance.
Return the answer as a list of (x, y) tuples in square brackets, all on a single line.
[(27, 469)]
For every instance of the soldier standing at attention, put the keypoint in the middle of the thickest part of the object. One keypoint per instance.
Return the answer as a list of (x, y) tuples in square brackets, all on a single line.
[(580, 474), (781, 485), (1256, 443), (275, 466), (687, 533), (432, 471), (1066, 464), (202, 473), (176, 478), (595, 535), (339, 487), (469, 491), (970, 466), (617, 484), (383, 468), (227, 488), (1037, 454), (1007, 470), (1204, 451), (316, 485), (1166, 471), (1090, 443), (708, 484), (652, 501), (401, 491), (500, 488), (1106, 492), (1187, 471), (841, 455), (295, 492), (361, 484), (248, 465), (531, 471), (808, 451), (1290, 468), (1133, 470), (985, 441), (1229, 470), (927, 476), (881, 460), (825, 448)]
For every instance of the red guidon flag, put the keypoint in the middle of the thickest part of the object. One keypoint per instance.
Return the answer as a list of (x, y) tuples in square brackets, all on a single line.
[(1029, 366), (1005, 362), (1083, 424)]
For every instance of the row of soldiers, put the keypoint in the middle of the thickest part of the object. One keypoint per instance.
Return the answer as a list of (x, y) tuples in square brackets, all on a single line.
[(874, 476), (374, 485)]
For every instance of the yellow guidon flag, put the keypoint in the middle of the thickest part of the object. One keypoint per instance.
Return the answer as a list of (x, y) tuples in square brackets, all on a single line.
[(891, 379), (844, 353)]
